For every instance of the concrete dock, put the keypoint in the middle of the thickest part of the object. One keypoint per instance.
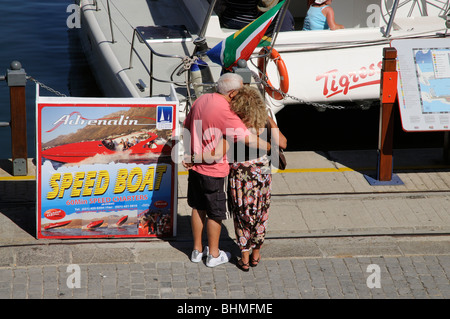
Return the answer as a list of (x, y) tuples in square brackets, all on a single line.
[(323, 208)]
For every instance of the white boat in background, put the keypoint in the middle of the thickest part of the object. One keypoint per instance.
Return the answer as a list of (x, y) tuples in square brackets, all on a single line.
[(136, 47)]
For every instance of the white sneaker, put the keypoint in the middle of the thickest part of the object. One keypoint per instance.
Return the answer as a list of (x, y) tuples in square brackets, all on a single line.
[(197, 256), (223, 258)]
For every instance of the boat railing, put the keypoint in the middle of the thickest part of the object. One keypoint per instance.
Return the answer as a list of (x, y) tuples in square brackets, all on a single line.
[(387, 33), (138, 32), (16, 79), (95, 3)]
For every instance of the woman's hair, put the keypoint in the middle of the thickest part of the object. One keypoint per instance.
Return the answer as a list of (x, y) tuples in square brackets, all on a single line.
[(249, 105)]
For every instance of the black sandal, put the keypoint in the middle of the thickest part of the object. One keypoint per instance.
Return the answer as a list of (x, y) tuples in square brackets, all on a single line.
[(254, 262), (241, 265)]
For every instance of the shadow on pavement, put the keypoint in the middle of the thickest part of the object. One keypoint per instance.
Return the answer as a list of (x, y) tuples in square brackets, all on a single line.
[(18, 203), (183, 241)]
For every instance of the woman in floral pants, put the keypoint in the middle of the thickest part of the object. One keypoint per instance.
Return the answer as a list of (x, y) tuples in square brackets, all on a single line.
[(250, 178), (250, 190)]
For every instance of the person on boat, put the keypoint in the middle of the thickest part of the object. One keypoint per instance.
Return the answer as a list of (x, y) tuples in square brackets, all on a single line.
[(121, 145), (288, 23), (208, 120), (153, 222), (143, 227), (108, 144), (320, 16), (128, 144), (238, 13), (112, 146), (164, 226), (150, 144)]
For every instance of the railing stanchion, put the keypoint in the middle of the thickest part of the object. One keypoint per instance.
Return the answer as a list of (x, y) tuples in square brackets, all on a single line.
[(17, 79)]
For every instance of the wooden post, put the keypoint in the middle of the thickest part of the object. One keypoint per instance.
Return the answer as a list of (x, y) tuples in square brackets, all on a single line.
[(388, 89), (16, 81)]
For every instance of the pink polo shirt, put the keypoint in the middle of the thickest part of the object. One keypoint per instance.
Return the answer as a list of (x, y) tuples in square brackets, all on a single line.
[(209, 119)]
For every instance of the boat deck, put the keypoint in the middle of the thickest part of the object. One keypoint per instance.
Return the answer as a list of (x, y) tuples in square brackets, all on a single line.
[(126, 16)]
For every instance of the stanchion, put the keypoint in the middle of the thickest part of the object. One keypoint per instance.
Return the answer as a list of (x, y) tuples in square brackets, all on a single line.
[(16, 78), (388, 95)]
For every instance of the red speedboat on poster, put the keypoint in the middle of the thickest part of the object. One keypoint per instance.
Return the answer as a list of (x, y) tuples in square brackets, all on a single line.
[(56, 225), (77, 152), (122, 220), (94, 224)]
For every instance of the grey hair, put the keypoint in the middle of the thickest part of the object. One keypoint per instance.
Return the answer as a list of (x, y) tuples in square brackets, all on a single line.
[(228, 82)]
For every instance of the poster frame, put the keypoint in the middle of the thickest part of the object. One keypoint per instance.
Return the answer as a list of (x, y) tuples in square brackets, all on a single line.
[(80, 103)]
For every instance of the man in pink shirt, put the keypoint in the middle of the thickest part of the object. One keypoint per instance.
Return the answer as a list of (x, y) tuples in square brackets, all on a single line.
[(209, 119)]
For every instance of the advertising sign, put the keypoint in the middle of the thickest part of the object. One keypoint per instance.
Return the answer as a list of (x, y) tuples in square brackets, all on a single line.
[(104, 167), (424, 83)]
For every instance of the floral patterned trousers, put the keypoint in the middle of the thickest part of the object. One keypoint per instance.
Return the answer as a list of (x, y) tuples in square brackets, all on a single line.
[(250, 190)]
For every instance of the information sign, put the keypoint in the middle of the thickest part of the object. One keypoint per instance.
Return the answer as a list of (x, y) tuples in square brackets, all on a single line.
[(424, 83)]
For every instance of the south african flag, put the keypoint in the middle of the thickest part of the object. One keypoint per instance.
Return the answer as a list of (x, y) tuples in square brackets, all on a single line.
[(242, 43)]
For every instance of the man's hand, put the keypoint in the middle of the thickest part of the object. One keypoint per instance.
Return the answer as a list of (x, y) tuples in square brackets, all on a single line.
[(187, 162)]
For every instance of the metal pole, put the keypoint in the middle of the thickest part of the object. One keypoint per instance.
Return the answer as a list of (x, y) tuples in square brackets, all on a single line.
[(17, 80), (391, 20), (110, 23), (207, 18), (200, 41), (280, 19)]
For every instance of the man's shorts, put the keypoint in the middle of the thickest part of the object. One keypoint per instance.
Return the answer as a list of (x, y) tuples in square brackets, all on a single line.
[(209, 194)]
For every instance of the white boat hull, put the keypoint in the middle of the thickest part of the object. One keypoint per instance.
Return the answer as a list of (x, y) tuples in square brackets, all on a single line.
[(323, 66)]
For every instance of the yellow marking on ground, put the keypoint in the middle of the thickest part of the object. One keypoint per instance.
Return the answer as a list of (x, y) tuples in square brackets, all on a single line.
[(18, 178), (346, 169), (303, 170), (314, 170), (289, 170)]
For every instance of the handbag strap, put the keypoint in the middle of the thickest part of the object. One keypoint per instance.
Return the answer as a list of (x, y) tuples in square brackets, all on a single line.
[(269, 130)]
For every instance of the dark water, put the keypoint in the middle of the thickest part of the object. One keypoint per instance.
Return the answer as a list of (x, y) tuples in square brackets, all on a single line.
[(36, 34), (309, 130)]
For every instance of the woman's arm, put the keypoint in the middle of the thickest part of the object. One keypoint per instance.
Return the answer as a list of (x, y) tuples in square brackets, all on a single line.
[(277, 136), (329, 14)]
